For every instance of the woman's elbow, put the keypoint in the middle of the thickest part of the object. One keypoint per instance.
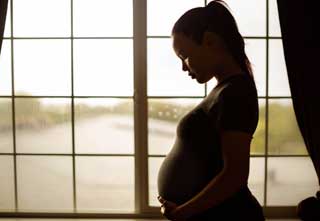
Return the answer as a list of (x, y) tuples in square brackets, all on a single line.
[(237, 175)]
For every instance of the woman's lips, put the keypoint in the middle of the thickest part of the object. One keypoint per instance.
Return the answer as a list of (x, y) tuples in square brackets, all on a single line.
[(192, 75)]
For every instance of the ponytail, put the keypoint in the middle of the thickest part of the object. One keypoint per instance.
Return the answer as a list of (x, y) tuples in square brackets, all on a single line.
[(223, 23)]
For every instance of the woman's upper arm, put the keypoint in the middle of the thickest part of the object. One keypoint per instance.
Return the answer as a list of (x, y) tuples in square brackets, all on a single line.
[(235, 147), (238, 110), (237, 118)]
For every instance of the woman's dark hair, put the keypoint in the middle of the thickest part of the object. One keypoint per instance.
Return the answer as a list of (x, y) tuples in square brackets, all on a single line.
[(215, 17)]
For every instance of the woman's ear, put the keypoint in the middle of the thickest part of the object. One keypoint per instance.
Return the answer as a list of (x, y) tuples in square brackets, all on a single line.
[(211, 39)]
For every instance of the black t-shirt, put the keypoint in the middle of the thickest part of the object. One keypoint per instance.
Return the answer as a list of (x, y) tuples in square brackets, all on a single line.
[(196, 157)]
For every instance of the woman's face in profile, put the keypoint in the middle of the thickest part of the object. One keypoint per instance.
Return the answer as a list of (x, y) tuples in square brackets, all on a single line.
[(196, 59)]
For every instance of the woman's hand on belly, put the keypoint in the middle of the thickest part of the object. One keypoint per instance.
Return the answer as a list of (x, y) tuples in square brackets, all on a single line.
[(171, 210)]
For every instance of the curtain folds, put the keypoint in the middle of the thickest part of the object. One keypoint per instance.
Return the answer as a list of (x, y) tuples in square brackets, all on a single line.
[(300, 24), (3, 14)]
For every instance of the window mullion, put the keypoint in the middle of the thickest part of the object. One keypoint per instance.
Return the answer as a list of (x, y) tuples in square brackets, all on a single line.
[(140, 104)]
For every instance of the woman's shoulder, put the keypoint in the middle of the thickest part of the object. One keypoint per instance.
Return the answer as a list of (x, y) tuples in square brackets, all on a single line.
[(239, 85), (236, 87)]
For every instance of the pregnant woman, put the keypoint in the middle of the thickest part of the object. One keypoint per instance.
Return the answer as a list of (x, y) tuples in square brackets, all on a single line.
[(205, 175)]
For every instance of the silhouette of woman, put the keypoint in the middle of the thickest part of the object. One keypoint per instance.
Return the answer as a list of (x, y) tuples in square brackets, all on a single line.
[(205, 174)]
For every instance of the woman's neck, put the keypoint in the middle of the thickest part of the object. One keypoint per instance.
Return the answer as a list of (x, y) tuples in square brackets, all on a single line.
[(228, 69)]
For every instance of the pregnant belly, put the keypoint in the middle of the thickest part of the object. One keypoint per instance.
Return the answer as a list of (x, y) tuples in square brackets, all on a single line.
[(183, 174)]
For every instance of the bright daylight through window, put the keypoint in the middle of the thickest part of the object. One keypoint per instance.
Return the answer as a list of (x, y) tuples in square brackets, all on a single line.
[(67, 105)]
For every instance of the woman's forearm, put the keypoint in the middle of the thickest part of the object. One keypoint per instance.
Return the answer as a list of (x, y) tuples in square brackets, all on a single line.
[(223, 186)]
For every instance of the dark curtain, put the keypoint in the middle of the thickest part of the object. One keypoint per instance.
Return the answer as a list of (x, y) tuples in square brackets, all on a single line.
[(3, 14), (300, 23)]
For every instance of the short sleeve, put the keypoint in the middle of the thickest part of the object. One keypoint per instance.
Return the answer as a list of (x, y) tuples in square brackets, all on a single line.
[(238, 110)]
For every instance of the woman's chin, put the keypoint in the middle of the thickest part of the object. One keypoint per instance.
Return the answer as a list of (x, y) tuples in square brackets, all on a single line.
[(201, 81), (198, 78)]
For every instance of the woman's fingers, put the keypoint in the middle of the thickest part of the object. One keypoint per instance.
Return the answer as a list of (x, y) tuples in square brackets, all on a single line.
[(167, 203), (161, 200), (163, 209)]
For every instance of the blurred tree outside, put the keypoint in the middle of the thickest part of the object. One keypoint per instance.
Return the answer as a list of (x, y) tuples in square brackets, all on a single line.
[(284, 136)]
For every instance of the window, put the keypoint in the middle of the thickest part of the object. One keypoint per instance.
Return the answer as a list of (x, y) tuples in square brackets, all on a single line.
[(67, 135), (75, 134)]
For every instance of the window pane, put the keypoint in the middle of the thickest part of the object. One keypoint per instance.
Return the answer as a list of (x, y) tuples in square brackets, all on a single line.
[(296, 174), (42, 67), (154, 166), (256, 52), (6, 184), (104, 126), (101, 18), (45, 183), (7, 27), (274, 23), (250, 16), (5, 68), (39, 18), (103, 67), (164, 115), (39, 122), (284, 134), (165, 75), (163, 14), (6, 138), (256, 179), (211, 84), (278, 77), (105, 184), (258, 141)]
